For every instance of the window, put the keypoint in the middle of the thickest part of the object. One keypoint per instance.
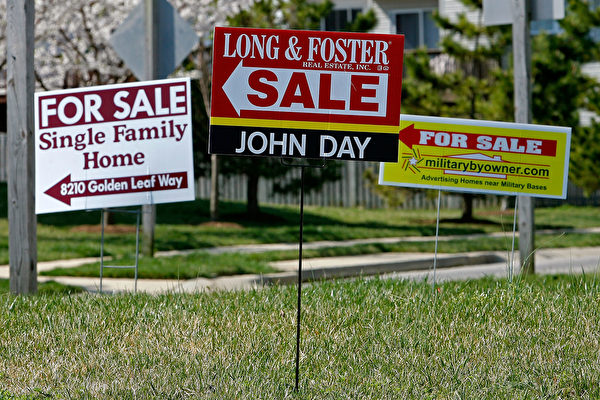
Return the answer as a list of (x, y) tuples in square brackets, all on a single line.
[(553, 27), (338, 20), (419, 29), (594, 32), (548, 26)]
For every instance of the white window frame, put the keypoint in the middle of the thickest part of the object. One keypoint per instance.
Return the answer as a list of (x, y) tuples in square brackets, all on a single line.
[(421, 18)]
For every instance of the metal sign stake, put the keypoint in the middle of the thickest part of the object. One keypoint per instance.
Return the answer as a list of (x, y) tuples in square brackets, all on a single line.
[(300, 242), (437, 235), (511, 264), (137, 246)]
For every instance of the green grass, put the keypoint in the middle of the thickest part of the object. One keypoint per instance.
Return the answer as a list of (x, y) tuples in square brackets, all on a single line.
[(197, 265), (202, 264), (44, 288), (364, 339), (7, 396)]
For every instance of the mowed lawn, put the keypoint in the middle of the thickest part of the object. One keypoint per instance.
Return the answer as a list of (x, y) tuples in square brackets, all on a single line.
[(205, 265), (363, 339)]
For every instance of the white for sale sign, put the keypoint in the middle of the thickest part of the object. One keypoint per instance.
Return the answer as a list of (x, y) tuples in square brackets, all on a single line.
[(114, 145)]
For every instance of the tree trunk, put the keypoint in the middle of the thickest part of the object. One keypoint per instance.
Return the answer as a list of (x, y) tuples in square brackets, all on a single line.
[(109, 217), (467, 214), (252, 208), (148, 223)]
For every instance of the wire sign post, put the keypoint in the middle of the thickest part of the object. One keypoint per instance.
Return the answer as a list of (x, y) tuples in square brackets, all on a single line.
[(305, 95), (302, 167), (299, 309), (480, 157), (137, 246)]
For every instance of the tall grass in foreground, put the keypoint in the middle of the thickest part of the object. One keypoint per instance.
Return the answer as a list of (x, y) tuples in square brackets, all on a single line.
[(364, 339)]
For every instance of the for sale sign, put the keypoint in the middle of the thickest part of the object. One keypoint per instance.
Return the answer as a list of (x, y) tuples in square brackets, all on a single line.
[(480, 156), (285, 93), (114, 145)]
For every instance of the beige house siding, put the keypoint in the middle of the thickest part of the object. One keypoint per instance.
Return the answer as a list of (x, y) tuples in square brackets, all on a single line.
[(452, 8), (384, 10), (337, 4)]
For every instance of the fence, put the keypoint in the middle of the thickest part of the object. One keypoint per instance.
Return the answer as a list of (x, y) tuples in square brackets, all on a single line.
[(350, 191)]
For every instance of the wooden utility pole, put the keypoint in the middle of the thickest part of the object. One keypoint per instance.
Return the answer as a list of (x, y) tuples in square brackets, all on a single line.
[(22, 242), (522, 89), (151, 73)]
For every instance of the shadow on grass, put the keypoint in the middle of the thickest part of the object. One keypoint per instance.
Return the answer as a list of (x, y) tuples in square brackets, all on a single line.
[(483, 221), (45, 288), (197, 213)]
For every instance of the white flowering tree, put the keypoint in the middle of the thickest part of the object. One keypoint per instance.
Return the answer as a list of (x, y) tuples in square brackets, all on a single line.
[(71, 37), (72, 41)]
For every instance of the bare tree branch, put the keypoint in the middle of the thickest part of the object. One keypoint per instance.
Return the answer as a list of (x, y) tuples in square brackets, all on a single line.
[(39, 79), (71, 43), (88, 31)]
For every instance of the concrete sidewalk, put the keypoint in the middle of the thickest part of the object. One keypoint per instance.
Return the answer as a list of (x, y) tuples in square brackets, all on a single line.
[(313, 269), (576, 260), (413, 266), (396, 265)]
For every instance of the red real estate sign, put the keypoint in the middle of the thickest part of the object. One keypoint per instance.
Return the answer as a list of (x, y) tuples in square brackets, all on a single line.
[(285, 93)]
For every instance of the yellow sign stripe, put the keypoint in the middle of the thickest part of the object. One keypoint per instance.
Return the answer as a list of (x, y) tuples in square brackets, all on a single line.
[(329, 126)]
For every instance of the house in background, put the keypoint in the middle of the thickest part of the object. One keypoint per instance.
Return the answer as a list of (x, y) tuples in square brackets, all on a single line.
[(413, 18)]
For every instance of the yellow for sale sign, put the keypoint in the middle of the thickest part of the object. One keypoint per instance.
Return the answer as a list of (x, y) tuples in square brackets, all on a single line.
[(480, 156)]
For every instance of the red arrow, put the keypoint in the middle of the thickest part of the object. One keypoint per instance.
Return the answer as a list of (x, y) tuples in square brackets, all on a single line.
[(477, 141), (65, 189), (409, 136), (54, 191)]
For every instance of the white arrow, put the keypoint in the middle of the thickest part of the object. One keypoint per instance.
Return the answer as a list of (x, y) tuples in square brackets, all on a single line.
[(237, 90)]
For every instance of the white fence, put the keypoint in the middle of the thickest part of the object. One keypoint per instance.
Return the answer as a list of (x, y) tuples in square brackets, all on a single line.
[(350, 191)]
